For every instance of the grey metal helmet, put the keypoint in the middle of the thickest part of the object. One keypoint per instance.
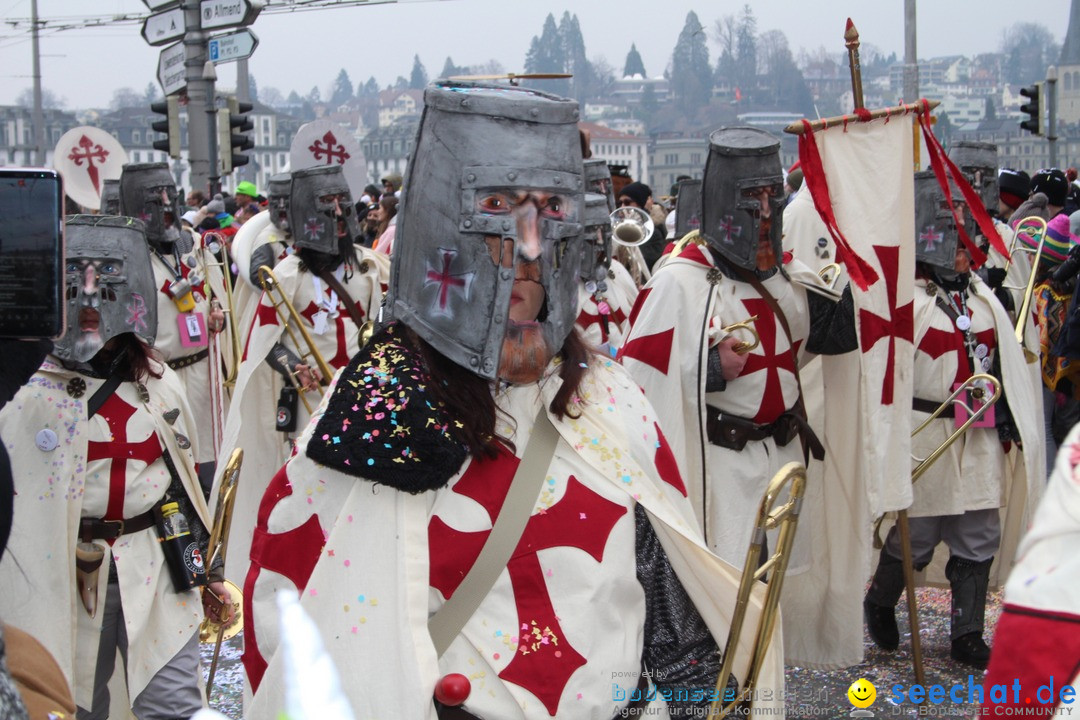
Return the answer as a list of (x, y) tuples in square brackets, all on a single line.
[(478, 148), (688, 208), (317, 194), (278, 197), (110, 197), (936, 236), (148, 192), (978, 162), (598, 180), (110, 288), (596, 248), (741, 159)]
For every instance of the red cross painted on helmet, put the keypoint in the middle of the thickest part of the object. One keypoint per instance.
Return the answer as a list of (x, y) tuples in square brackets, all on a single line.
[(313, 229), (332, 151), (930, 237), (447, 281), (91, 151), (729, 230), (136, 318)]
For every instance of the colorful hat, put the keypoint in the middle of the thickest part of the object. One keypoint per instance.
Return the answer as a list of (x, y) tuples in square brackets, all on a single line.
[(247, 188), (1058, 240)]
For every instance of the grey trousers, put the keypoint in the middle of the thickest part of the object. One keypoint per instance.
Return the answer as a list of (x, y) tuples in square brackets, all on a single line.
[(173, 692), (974, 535)]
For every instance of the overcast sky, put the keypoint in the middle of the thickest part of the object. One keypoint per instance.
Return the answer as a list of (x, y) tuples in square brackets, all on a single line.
[(300, 50)]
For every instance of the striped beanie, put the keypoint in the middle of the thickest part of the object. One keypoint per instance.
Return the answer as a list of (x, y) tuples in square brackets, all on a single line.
[(1058, 240)]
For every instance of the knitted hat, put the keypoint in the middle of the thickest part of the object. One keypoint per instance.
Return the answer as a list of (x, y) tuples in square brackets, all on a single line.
[(1058, 240), (638, 192), (794, 179), (1013, 186), (247, 188), (1052, 182)]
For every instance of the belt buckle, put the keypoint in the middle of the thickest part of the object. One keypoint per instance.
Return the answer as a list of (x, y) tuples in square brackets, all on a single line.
[(118, 523)]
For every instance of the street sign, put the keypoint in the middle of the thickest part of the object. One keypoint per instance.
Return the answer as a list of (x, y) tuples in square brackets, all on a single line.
[(158, 4), (228, 13), (164, 26), (171, 72), (232, 46)]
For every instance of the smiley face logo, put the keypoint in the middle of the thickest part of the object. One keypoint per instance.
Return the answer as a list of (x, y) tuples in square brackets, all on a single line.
[(862, 693)]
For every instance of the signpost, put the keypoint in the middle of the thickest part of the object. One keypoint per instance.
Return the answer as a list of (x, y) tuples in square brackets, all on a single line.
[(165, 26), (232, 46), (158, 4), (170, 72), (228, 13)]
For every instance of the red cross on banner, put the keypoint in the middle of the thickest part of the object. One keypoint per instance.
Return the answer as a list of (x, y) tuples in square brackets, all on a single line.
[(543, 659), (91, 151), (770, 360), (120, 450), (331, 152), (899, 325)]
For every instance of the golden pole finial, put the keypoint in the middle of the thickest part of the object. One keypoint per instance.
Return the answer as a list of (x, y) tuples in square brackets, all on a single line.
[(851, 40)]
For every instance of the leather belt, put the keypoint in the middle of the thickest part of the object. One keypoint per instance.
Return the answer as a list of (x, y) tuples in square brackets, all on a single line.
[(98, 529), (929, 406), (633, 709), (732, 432), (184, 362)]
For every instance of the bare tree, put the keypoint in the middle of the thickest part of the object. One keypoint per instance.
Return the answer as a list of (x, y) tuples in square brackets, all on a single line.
[(126, 97), (49, 99)]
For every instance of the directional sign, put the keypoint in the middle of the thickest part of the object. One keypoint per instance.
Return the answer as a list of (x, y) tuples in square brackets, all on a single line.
[(158, 4), (232, 46), (171, 72), (164, 26), (228, 13)]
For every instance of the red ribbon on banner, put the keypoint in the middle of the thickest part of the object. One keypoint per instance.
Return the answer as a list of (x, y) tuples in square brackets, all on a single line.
[(859, 271)]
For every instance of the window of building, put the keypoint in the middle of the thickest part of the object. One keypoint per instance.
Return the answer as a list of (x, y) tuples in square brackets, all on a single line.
[(671, 158), (695, 158), (136, 156), (136, 137)]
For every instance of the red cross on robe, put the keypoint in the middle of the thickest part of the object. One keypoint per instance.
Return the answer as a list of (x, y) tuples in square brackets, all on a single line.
[(770, 360), (121, 450), (544, 659), (899, 325), (937, 342)]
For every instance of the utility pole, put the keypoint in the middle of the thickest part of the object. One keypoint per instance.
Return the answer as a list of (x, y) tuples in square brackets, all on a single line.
[(911, 73), (1051, 105), (37, 118), (200, 92)]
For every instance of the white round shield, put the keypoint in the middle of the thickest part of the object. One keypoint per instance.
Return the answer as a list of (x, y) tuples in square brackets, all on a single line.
[(323, 142), (86, 157)]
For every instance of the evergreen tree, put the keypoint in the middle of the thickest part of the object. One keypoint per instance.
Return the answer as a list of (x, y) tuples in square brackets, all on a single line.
[(581, 85), (691, 74), (253, 88), (990, 113), (783, 86), (746, 52), (649, 104), (341, 91), (368, 89), (633, 65), (152, 93), (546, 56), (449, 69), (418, 79), (314, 97), (294, 98)]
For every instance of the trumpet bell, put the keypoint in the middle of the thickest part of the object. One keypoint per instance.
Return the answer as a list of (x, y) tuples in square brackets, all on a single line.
[(209, 629), (630, 226)]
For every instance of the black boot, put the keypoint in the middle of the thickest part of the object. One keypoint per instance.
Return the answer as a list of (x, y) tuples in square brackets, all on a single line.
[(879, 606), (969, 580)]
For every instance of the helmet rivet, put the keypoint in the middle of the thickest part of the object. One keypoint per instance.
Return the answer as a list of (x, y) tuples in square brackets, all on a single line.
[(511, 175), (488, 365), (504, 274), (558, 180), (506, 225), (471, 177), (465, 103), (473, 361), (534, 112), (467, 223)]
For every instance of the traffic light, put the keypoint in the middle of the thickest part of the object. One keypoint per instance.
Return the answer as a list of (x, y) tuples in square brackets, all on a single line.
[(170, 126), (1033, 109), (233, 140)]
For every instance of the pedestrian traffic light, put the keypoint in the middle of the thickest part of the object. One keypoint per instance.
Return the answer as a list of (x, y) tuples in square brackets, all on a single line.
[(170, 126), (233, 140), (1033, 109)]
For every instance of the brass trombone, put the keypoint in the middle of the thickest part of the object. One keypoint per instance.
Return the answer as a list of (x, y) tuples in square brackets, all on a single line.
[(211, 629), (630, 226), (694, 237), (977, 388), (1037, 227), (214, 246), (748, 324), (293, 323), (769, 517), (824, 274)]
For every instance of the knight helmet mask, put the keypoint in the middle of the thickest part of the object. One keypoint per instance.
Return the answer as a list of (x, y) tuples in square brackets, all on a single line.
[(596, 248), (479, 149), (978, 162), (321, 208), (110, 197), (147, 192), (741, 160), (278, 195), (936, 235), (109, 283), (688, 208)]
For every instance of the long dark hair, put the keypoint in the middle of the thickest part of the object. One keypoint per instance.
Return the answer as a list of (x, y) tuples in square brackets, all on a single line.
[(129, 357), (468, 397), (320, 262)]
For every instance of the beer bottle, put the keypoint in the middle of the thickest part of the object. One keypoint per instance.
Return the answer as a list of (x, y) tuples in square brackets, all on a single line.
[(182, 553)]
